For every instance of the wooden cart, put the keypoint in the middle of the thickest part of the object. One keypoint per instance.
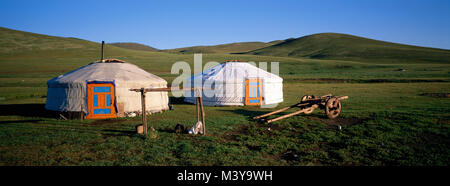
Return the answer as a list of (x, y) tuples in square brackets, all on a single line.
[(331, 104)]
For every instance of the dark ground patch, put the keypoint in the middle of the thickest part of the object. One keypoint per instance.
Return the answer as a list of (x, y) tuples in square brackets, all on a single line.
[(334, 123), (114, 133), (291, 155), (335, 80), (101, 122), (436, 95), (233, 135)]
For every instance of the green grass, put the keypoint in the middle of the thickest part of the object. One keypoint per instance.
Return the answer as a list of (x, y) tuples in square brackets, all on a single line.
[(378, 129), (385, 121)]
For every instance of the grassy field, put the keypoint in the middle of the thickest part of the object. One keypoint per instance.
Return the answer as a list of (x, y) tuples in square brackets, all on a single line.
[(385, 121)]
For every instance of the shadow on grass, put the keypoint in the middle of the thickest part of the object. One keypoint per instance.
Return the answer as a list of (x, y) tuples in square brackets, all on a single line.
[(27, 110), (247, 113), (111, 132), (177, 101), (21, 121), (167, 130)]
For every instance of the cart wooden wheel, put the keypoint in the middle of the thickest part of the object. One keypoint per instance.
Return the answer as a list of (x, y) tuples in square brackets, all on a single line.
[(333, 108), (309, 110)]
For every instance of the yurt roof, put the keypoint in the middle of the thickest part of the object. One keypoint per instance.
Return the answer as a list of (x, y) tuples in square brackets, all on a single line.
[(235, 71), (107, 70)]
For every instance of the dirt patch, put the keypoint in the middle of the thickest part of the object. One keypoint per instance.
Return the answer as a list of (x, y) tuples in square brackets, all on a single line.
[(436, 95), (291, 155), (334, 123), (232, 136)]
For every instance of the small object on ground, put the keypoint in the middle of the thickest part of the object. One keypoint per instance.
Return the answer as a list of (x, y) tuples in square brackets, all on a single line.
[(140, 129), (171, 107), (179, 128), (153, 134), (331, 104), (197, 128), (60, 115), (339, 128), (132, 114)]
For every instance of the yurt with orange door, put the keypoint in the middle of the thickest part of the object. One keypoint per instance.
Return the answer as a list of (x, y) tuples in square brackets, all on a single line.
[(236, 83), (101, 90)]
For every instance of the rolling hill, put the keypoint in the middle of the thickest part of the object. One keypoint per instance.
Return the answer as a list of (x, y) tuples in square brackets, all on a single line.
[(134, 46), (224, 48), (20, 41), (16, 44), (318, 46), (348, 47)]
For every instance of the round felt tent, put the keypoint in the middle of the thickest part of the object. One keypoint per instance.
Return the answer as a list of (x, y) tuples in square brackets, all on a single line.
[(101, 90), (236, 83)]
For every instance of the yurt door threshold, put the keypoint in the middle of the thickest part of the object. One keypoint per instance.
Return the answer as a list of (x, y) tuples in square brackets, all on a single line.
[(100, 98)]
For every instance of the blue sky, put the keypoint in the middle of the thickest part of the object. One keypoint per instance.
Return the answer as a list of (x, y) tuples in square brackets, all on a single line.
[(172, 24)]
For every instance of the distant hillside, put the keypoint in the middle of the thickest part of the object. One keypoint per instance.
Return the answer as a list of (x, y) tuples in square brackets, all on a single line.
[(317, 46), (134, 46), (348, 47), (225, 48), (19, 41), (31, 45)]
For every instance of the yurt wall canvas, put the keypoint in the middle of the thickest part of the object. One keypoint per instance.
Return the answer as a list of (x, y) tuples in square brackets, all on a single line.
[(69, 92), (230, 82)]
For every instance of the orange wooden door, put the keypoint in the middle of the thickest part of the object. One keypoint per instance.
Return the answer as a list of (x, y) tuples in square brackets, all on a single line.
[(101, 101), (253, 92)]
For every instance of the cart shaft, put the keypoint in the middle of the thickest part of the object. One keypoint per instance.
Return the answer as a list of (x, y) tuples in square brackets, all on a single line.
[(291, 114)]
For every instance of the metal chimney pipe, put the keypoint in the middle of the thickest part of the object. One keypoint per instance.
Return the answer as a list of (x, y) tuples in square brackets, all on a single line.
[(103, 53)]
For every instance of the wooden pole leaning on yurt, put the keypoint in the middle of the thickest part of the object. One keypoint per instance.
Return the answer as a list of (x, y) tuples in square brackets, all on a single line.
[(144, 117), (197, 105), (199, 99), (203, 115)]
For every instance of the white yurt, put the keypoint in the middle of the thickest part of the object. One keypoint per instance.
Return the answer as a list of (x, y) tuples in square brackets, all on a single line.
[(102, 90), (236, 83)]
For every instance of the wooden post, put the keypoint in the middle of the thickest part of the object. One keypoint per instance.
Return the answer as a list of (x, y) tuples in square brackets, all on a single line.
[(200, 94), (144, 117), (103, 53), (198, 108)]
